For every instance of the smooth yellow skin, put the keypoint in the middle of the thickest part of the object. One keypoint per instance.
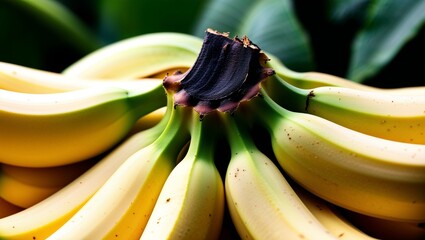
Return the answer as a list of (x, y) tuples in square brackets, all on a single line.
[(139, 57), (42, 219), (50, 176), (330, 217), (190, 205), (349, 168), (23, 194), (23, 79), (63, 128), (7, 208), (398, 118), (122, 206)]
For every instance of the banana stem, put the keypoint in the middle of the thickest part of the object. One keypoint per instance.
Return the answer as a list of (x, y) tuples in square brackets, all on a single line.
[(238, 137), (146, 102), (287, 95), (203, 136), (176, 132), (265, 110)]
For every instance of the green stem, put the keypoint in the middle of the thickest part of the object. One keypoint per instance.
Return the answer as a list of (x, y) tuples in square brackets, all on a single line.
[(176, 132), (265, 110), (203, 136), (287, 95), (239, 138), (145, 102)]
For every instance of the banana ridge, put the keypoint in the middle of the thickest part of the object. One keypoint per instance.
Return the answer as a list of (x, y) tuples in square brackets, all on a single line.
[(388, 116), (42, 219), (346, 167), (191, 202)]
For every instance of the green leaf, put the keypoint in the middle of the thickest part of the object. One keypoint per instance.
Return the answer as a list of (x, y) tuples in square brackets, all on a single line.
[(342, 10), (62, 21), (127, 18), (271, 24), (390, 25)]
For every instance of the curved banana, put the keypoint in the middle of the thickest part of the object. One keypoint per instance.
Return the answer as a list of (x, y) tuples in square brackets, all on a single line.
[(50, 176), (191, 202), (398, 118), (29, 80), (387, 229), (7, 208), (346, 167), (23, 194), (25, 186), (122, 206), (45, 130), (261, 202), (42, 219), (139, 57), (330, 217), (309, 80)]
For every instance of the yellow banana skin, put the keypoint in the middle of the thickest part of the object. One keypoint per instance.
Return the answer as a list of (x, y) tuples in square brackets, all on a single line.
[(45, 130), (29, 80), (309, 80), (387, 229), (346, 167), (139, 57), (23, 194), (388, 116), (261, 202), (7, 208), (122, 206), (24, 187), (330, 217), (42, 219), (191, 202)]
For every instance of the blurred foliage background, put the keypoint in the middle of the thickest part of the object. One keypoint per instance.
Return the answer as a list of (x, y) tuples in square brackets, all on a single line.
[(377, 42)]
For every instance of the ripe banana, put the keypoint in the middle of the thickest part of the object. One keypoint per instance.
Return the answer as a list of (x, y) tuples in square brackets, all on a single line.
[(49, 177), (42, 219), (346, 167), (329, 216), (191, 202), (122, 206), (28, 80), (139, 57), (23, 194), (25, 187), (44, 130), (7, 208), (309, 80), (387, 229), (393, 117), (261, 202)]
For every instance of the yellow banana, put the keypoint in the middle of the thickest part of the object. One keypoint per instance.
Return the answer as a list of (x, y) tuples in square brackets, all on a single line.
[(261, 202), (139, 57), (50, 176), (329, 216), (387, 229), (44, 130), (191, 202), (7, 208), (393, 117), (28, 80), (346, 167), (25, 186), (122, 206), (309, 80), (23, 194), (42, 219)]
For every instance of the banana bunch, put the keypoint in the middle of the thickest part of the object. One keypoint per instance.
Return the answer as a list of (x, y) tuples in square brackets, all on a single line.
[(166, 136)]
